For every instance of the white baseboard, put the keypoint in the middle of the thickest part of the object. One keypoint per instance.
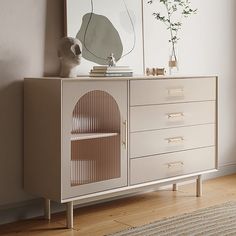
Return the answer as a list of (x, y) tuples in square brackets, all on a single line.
[(226, 169), (34, 208), (26, 210)]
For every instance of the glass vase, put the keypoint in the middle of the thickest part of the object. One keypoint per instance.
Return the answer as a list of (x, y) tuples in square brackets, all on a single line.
[(173, 61)]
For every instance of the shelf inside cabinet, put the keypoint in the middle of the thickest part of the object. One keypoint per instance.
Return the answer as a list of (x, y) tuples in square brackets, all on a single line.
[(84, 136)]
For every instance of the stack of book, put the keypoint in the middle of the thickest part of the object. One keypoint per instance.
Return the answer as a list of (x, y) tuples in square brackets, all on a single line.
[(113, 71)]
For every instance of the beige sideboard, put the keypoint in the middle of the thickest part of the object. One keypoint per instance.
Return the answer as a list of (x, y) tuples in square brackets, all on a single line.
[(93, 139)]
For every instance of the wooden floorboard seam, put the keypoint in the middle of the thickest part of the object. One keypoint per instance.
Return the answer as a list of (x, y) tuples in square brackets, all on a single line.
[(117, 221)]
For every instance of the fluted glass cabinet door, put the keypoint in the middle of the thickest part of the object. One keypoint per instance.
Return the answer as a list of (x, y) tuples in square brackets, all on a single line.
[(94, 131)]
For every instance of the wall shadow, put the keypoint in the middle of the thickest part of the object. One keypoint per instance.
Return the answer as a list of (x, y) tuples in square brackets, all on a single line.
[(11, 135), (54, 31)]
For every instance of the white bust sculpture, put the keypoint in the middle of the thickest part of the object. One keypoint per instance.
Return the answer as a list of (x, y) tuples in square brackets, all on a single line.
[(70, 53)]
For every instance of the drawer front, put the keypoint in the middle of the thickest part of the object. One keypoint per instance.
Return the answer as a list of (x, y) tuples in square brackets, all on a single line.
[(171, 115), (144, 92), (170, 165), (170, 140)]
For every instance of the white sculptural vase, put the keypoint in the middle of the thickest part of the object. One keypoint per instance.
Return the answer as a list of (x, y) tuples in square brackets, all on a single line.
[(69, 53), (68, 70)]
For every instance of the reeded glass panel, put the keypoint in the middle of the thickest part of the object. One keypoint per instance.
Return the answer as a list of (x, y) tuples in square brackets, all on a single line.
[(95, 139)]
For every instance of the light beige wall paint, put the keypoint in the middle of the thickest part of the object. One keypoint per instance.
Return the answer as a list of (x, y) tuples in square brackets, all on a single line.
[(30, 30)]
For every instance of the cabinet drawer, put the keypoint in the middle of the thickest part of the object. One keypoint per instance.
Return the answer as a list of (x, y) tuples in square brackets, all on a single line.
[(173, 164), (143, 92), (170, 140), (171, 115)]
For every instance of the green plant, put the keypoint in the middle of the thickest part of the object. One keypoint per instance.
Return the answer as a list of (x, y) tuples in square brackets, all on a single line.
[(176, 10)]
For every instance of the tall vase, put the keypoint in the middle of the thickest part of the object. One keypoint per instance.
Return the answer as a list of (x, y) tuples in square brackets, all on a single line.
[(173, 60)]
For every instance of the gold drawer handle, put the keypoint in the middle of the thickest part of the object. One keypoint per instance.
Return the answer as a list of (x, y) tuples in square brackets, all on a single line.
[(124, 139), (175, 139), (175, 92), (175, 115), (175, 164)]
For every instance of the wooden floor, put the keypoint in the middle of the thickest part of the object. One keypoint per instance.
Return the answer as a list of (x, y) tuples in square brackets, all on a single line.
[(134, 211)]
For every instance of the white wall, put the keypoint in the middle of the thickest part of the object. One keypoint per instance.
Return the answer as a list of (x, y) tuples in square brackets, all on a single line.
[(30, 30), (24, 51)]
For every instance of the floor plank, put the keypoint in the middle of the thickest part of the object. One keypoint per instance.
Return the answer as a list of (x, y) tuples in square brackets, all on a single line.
[(121, 214)]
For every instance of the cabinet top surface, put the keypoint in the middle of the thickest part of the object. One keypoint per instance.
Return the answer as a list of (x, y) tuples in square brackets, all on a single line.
[(141, 77)]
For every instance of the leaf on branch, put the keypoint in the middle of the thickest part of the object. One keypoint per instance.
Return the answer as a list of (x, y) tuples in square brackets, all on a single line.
[(159, 17), (174, 8)]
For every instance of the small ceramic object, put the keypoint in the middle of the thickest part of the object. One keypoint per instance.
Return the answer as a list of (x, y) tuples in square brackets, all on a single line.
[(69, 53), (148, 72), (153, 71), (160, 71), (111, 60)]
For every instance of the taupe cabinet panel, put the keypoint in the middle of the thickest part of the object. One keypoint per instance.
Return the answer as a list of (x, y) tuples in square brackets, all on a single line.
[(71, 149), (92, 139)]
